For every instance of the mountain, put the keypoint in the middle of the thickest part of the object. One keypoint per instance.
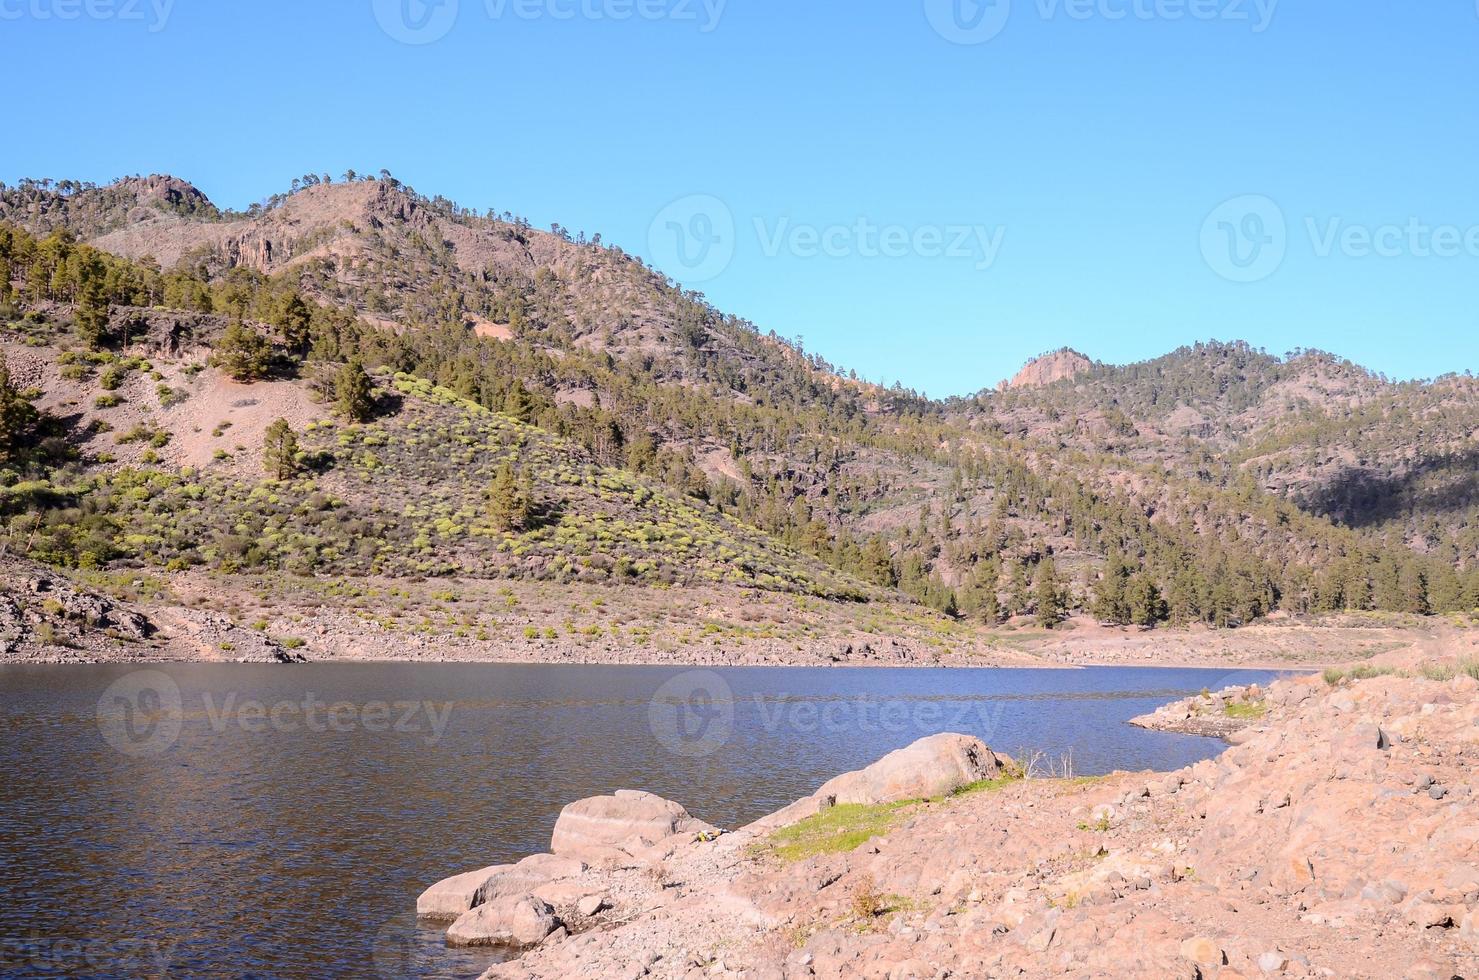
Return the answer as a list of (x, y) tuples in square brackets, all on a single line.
[(1060, 365), (1216, 484)]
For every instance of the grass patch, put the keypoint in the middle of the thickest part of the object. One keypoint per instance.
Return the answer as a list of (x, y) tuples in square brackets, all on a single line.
[(1246, 710), (836, 830), (986, 785)]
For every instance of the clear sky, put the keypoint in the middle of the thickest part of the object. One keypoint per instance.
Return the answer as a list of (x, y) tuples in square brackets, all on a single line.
[(929, 191)]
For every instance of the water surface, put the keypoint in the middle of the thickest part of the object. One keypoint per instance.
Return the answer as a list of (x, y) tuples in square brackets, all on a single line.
[(293, 845)]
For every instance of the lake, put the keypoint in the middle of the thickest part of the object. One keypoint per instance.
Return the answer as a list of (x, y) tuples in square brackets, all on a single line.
[(245, 820)]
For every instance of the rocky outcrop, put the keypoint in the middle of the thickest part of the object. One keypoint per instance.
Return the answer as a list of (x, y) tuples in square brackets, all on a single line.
[(1045, 370), (1216, 715), (514, 921), (1339, 837), (40, 612), (451, 897), (627, 820), (931, 767)]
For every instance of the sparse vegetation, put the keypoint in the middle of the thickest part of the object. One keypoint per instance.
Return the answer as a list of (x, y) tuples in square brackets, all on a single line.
[(839, 828)]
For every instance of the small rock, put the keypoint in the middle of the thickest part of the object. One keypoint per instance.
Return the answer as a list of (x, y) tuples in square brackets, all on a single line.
[(1202, 951), (1272, 962), (590, 904)]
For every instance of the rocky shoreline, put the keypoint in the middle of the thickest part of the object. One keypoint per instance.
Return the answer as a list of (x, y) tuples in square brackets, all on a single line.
[(1338, 836)]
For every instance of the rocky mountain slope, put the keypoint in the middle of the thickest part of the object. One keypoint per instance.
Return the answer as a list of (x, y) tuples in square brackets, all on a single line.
[(1215, 485)]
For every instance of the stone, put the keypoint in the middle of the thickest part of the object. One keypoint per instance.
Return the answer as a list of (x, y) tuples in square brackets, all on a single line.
[(1272, 962), (526, 876), (627, 819), (591, 904), (1202, 951), (451, 897), (516, 921), (930, 767)]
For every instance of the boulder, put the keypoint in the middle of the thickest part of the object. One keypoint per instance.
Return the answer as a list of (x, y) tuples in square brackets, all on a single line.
[(626, 820), (932, 766), (516, 921), (530, 874), (451, 897)]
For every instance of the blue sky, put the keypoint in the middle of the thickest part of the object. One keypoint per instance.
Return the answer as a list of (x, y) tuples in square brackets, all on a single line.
[(1060, 179)]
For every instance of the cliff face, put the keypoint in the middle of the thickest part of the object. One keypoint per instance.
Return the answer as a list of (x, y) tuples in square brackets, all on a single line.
[(1057, 366)]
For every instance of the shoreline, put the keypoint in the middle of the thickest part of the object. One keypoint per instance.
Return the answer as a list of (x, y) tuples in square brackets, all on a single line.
[(676, 664), (899, 869)]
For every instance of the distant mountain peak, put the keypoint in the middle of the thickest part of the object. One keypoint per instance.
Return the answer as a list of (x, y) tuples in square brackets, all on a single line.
[(1045, 369)]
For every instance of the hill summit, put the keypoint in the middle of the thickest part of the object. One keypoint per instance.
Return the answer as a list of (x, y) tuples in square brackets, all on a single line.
[(1060, 365)]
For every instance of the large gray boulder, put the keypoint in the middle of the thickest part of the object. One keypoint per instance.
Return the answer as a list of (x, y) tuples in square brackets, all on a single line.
[(627, 820), (516, 921), (932, 766)]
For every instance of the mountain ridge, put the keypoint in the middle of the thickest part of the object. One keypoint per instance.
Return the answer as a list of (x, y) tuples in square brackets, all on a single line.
[(974, 500)]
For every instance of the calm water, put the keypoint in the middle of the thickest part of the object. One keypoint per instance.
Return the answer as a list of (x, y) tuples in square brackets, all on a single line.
[(209, 823)]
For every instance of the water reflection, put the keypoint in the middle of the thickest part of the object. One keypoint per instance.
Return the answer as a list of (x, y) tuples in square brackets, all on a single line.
[(247, 849)]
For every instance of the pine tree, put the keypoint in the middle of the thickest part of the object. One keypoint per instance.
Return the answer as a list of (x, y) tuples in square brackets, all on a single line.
[(1111, 604), (17, 415), (1048, 597), (518, 403), (242, 353), (294, 320), (91, 318), (280, 450), (354, 393), (1143, 597), (509, 505), (878, 563)]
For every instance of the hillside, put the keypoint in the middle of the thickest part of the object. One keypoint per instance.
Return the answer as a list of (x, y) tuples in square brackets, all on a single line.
[(661, 443)]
